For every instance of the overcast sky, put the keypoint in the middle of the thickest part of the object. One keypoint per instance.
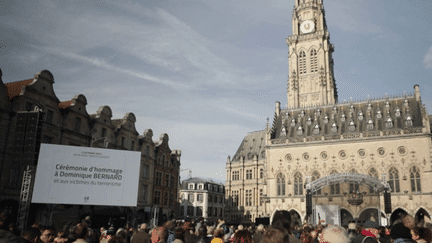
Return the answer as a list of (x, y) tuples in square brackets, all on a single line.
[(208, 72)]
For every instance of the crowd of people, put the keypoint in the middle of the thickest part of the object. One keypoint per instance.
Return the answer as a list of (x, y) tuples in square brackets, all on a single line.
[(280, 230)]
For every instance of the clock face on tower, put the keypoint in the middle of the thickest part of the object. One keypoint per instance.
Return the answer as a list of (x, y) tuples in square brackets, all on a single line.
[(307, 26)]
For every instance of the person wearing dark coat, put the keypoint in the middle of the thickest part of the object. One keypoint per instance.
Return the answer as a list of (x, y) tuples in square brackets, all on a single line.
[(401, 234), (141, 236)]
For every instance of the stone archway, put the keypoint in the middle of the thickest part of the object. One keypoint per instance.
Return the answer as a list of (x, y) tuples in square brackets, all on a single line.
[(396, 215), (295, 218), (422, 217), (346, 217), (369, 214)]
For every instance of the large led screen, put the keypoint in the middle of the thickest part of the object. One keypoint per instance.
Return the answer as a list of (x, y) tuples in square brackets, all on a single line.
[(327, 213), (82, 175)]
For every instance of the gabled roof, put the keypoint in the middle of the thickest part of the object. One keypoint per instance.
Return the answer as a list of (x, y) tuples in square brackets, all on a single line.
[(332, 121), (253, 144), (65, 104), (14, 88)]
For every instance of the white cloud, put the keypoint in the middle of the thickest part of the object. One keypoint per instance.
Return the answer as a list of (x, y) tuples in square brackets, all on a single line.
[(427, 60)]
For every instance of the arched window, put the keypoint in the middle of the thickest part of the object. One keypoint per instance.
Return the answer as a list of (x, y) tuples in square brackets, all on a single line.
[(334, 186), (313, 61), (298, 184), (302, 62), (316, 176), (353, 186), (280, 185), (394, 179), (415, 179), (372, 172)]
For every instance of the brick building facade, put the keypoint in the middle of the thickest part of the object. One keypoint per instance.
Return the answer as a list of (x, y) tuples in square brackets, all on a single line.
[(68, 123)]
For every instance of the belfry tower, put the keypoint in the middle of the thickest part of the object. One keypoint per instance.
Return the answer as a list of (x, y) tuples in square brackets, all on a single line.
[(311, 79)]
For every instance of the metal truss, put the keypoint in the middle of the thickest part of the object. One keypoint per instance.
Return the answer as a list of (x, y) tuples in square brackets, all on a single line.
[(25, 197), (361, 179)]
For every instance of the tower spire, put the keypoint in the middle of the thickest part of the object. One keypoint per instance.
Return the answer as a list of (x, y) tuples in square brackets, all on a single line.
[(311, 81)]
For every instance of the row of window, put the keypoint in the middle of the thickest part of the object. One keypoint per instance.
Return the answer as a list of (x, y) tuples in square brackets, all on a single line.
[(313, 62), (167, 180), (210, 187), (167, 199), (393, 180), (235, 175), (370, 125), (360, 114), (250, 199), (200, 198), (198, 211)]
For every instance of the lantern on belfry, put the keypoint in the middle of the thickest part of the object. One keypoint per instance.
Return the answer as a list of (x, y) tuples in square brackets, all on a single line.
[(355, 199)]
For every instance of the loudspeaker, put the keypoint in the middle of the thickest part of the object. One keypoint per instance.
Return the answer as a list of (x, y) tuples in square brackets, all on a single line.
[(27, 141), (20, 131), (32, 137), (309, 203), (387, 202)]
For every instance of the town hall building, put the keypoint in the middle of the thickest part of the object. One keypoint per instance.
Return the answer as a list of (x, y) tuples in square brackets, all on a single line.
[(357, 151)]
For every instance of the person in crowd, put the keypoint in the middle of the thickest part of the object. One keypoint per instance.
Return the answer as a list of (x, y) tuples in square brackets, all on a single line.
[(276, 234), (384, 235), (198, 224), (359, 237), (179, 235), (5, 219), (242, 236), (218, 236), (424, 235), (61, 237), (352, 231), (259, 233), (81, 233), (334, 234), (32, 235), (121, 234), (47, 234), (158, 235), (169, 227), (401, 234), (305, 235), (108, 236), (202, 236), (35, 225), (142, 236), (408, 221), (282, 219), (187, 226)]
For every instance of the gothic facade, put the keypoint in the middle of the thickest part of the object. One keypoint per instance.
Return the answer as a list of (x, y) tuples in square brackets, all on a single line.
[(68, 123), (314, 137)]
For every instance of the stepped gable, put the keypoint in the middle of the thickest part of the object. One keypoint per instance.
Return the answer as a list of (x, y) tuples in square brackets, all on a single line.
[(253, 144), (369, 116)]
